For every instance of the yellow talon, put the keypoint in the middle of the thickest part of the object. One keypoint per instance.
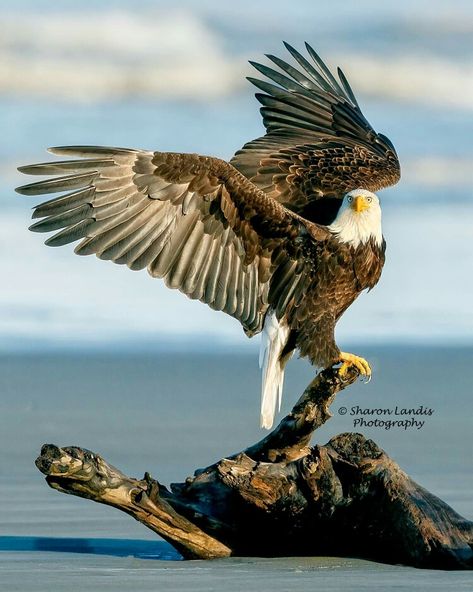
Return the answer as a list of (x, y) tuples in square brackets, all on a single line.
[(350, 360)]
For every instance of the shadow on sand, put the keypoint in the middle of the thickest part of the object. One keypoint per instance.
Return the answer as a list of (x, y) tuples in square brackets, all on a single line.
[(115, 547)]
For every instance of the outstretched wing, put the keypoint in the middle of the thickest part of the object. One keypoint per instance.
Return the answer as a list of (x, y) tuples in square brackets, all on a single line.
[(318, 143), (193, 220)]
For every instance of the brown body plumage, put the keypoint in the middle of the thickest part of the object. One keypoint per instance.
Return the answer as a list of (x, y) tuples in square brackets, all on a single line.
[(245, 237)]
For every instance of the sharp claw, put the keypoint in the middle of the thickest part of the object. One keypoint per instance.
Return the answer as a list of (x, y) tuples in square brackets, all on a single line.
[(359, 363)]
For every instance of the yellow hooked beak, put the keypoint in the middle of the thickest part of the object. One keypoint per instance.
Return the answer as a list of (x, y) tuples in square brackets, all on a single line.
[(360, 204)]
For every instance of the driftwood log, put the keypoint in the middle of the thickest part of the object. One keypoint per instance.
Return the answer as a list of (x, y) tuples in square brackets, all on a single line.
[(281, 497)]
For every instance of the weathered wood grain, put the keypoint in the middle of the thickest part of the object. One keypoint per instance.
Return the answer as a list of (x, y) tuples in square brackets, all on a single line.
[(281, 497)]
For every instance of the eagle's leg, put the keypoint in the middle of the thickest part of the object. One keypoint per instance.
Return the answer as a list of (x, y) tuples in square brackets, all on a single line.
[(351, 360)]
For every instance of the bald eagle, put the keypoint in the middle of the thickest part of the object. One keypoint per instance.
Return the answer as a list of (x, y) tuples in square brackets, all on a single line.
[(283, 238)]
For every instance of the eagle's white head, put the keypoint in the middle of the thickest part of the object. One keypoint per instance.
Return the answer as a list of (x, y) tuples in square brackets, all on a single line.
[(358, 219)]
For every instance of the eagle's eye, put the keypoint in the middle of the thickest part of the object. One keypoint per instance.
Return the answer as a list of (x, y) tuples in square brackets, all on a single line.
[(369, 199), (350, 199)]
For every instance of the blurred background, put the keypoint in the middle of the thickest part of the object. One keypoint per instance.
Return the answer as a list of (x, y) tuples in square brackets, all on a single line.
[(172, 77), (94, 355)]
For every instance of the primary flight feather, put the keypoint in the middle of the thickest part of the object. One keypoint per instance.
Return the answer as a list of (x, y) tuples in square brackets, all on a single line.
[(283, 238)]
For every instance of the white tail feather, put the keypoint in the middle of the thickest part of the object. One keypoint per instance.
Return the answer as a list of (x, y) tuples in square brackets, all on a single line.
[(274, 338)]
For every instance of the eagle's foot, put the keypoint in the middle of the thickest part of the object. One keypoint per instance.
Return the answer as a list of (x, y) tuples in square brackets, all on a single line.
[(351, 360)]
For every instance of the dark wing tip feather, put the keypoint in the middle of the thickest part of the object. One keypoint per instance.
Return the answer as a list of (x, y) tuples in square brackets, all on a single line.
[(80, 150), (53, 168), (347, 87), (325, 71), (57, 184), (21, 190), (315, 76), (267, 87), (290, 84), (69, 234)]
